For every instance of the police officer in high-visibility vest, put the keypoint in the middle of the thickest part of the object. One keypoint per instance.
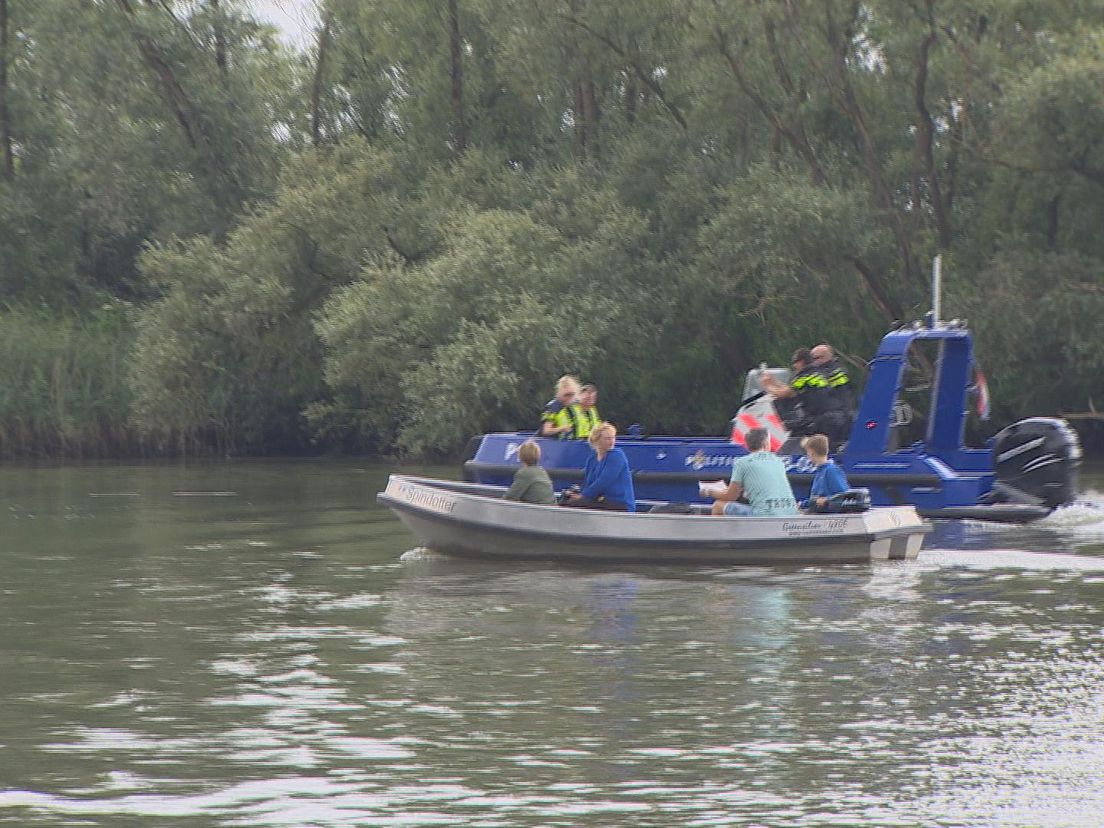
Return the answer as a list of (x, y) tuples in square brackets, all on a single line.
[(825, 361), (806, 400), (559, 417), (836, 423), (587, 416)]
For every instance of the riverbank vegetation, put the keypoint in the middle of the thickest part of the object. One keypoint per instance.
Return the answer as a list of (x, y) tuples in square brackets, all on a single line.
[(402, 235)]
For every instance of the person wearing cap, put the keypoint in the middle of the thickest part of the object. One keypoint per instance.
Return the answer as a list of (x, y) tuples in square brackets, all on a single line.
[(586, 411), (801, 403)]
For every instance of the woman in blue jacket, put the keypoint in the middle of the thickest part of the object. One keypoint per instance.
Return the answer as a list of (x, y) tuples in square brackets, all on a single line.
[(607, 482)]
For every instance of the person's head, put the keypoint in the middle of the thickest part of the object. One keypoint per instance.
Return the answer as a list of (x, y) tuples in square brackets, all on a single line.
[(756, 439), (529, 453), (801, 359), (822, 354), (602, 436), (588, 395), (816, 446), (566, 389)]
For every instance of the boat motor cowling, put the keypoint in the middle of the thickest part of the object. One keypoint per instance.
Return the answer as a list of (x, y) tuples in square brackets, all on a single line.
[(1036, 461)]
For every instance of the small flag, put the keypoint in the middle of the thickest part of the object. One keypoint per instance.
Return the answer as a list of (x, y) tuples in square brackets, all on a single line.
[(981, 389)]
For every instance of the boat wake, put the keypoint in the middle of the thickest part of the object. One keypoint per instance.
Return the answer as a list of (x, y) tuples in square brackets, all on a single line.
[(1010, 559), (1083, 516), (1072, 528)]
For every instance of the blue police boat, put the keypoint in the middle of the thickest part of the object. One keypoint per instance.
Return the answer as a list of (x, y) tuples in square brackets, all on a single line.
[(906, 444)]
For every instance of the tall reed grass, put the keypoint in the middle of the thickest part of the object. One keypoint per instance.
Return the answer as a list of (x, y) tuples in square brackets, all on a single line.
[(63, 384)]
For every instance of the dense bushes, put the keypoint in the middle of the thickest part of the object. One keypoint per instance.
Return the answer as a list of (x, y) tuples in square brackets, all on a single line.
[(405, 234)]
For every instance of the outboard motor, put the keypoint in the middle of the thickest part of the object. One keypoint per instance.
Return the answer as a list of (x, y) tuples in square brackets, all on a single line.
[(1036, 461), (851, 500)]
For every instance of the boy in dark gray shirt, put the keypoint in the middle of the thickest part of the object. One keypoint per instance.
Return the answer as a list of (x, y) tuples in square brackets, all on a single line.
[(531, 483)]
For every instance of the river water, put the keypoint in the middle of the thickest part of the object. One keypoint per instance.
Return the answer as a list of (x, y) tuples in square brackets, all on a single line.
[(257, 644)]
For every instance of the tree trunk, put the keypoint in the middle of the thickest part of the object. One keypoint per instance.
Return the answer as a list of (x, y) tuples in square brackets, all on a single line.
[(220, 36), (632, 93), (1052, 213), (579, 121), (456, 73), (790, 129), (5, 115), (319, 78), (590, 109), (175, 95)]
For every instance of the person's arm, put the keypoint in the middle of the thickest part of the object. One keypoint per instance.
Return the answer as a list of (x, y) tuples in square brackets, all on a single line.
[(548, 421), (720, 500), (517, 487), (735, 484), (570, 494), (772, 386), (609, 470), (816, 488), (733, 492), (838, 482), (548, 429)]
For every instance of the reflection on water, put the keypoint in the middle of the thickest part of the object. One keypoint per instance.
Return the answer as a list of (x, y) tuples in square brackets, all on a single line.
[(248, 644)]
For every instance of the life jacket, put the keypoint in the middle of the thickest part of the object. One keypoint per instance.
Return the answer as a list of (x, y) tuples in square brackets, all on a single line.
[(559, 415), (585, 421), (812, 391), (839, 384)]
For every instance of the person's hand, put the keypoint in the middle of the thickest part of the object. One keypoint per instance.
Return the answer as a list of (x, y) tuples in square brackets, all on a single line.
[(713, 488), (820, 501)]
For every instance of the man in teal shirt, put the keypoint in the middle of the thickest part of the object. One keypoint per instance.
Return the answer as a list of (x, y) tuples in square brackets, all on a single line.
[(760, 476)]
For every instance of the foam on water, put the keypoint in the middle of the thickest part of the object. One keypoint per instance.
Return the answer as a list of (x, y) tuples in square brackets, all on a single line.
[(419, 553), (1084, 516), (992, 559)]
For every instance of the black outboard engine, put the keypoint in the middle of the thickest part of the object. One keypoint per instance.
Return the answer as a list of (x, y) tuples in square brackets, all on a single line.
[(1036, 461), (851, 500)]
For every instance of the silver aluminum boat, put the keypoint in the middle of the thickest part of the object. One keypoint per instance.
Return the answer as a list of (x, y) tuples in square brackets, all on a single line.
[(473, 520)]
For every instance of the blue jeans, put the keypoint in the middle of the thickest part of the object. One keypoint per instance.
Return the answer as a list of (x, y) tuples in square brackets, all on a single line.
[(736, 509)]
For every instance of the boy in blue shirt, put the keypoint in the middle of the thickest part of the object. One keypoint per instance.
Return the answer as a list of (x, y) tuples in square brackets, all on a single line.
[(828, 479)]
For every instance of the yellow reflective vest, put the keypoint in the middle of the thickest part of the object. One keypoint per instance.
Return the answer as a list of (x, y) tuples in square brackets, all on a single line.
[(585, 421)]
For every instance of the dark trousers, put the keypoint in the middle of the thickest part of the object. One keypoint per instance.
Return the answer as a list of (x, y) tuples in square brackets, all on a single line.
[(596, 503)]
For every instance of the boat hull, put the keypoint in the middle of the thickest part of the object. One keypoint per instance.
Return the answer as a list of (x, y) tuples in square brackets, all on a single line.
[(463, 520)]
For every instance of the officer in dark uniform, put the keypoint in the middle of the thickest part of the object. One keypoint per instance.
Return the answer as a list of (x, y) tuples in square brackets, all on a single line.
[(806, 404), (841, 411)]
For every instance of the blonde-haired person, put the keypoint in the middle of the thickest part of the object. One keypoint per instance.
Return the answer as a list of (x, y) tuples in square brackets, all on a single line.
[(828, 479), (607, 479), (531, 483), (558, 417)]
